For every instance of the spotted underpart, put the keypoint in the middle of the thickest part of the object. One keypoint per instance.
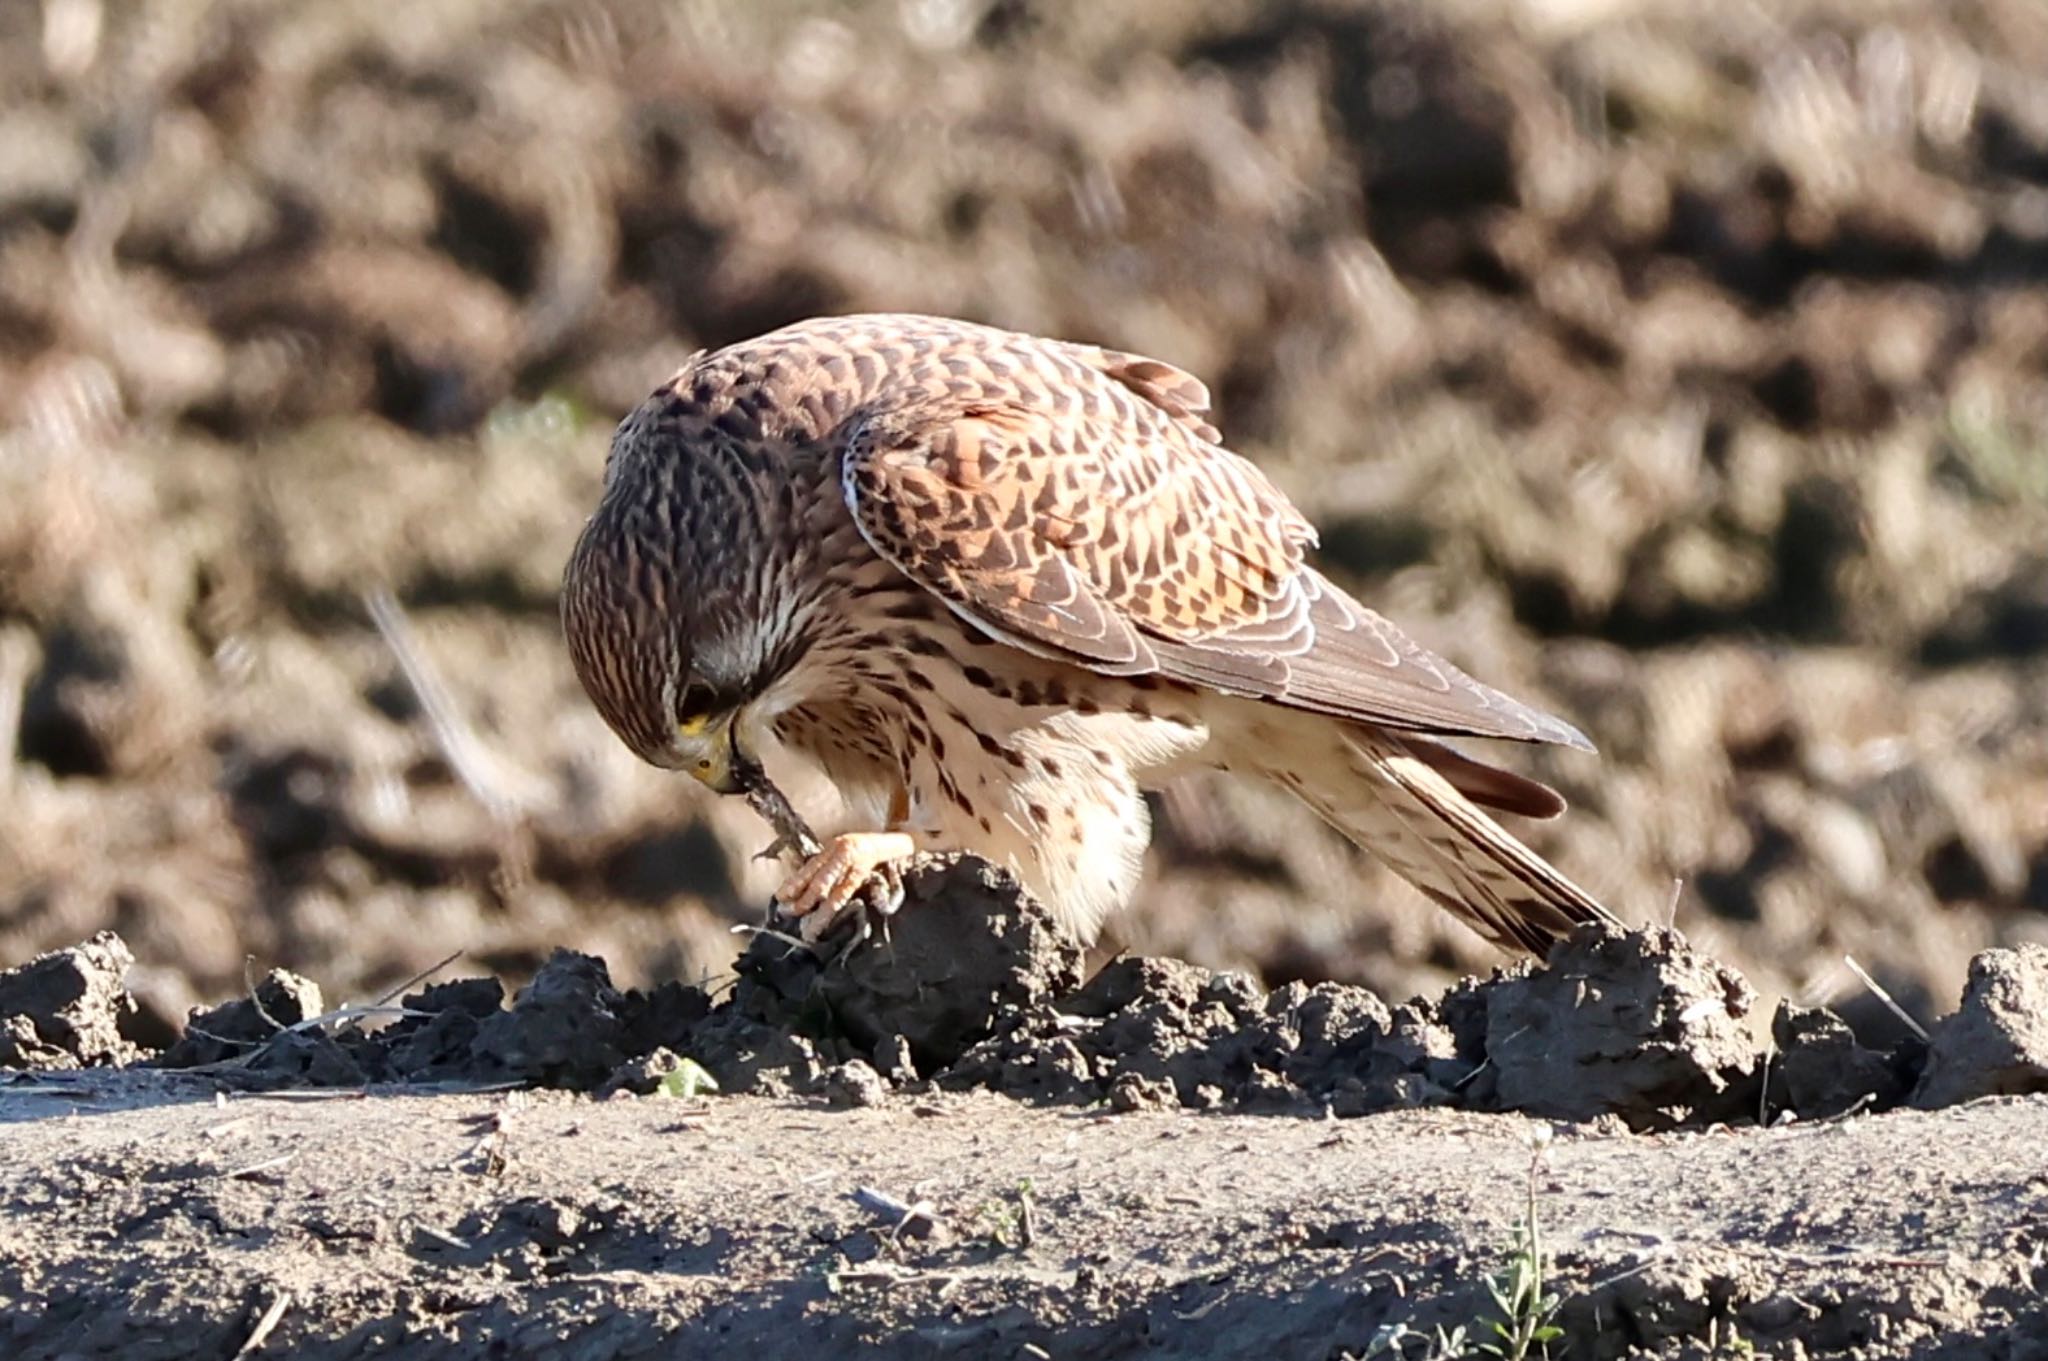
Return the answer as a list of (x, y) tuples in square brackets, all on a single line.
[(995, 585)]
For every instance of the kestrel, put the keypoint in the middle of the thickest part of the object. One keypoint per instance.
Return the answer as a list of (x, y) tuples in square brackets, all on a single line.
[(995, 586)]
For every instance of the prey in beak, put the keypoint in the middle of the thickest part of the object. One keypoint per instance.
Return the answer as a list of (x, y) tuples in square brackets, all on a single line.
[(710, 750), (792, 833), (857, 876)]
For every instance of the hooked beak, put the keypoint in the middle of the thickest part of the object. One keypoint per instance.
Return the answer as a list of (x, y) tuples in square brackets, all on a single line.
[(713, 757), (718, 761), (792, 833)]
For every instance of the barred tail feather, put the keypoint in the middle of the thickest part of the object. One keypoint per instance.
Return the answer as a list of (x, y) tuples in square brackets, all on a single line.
[(1388, 796)]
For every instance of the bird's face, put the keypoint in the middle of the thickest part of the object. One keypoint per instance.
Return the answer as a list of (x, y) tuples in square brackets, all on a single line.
[(715, 742), (704, 740), (673, 669), (675, 615), (667, 697)]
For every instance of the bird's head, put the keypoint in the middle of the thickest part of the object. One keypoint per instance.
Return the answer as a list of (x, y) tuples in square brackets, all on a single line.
[(662, 608)]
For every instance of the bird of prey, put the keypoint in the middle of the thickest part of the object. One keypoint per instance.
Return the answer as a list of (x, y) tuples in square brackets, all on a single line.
[(997, 585)]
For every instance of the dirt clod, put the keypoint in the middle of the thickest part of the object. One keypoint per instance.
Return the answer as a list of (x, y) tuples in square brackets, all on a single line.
[(855, 1083), (1635, 1024), (64, 1009), (566, 1028), (744, 1055), (972, 988), (257, 1040), (894, 1061), (440, 1030), (1824, 1072), (1997, 1042), (1638, 1026), (965, 950), (1154, 1025), (1130, 1092), (232, 1029)]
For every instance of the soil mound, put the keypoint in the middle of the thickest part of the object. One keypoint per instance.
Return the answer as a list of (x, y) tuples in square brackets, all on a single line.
[(970, 987)]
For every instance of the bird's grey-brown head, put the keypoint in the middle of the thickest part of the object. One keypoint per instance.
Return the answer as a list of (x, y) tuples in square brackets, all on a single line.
[(663, 599)]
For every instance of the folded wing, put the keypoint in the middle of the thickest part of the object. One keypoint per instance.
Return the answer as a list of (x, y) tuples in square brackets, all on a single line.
[(1113, 532)]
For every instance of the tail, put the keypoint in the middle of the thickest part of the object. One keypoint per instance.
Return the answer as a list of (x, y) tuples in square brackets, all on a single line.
[(1414, 803)]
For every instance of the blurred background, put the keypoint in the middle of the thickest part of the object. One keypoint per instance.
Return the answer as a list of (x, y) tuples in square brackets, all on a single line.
[(1682, 367)]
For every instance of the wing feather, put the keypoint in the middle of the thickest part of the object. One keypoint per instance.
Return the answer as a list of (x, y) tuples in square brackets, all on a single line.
[(1132, 543)]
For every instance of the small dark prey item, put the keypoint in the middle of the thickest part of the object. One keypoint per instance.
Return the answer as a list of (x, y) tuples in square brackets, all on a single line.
[(792, 833)]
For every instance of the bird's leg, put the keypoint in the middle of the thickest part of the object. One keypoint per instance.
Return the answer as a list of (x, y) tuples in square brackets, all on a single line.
[(855, 870)]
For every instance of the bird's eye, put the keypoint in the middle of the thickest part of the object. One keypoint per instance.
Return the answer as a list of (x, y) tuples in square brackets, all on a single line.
[(696, 708)]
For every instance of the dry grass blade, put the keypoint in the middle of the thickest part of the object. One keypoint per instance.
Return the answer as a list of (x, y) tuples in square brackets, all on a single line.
[(16, 656), (904, 1218), (505, 791), (265, 1325), (445, 1239), (259, 1168), (422, 976), (1890, 1002)]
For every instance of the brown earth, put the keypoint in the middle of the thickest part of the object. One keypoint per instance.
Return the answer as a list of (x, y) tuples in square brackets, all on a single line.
[(1683, 368), (519, 1225), (939, 1151), (1687, 374)]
